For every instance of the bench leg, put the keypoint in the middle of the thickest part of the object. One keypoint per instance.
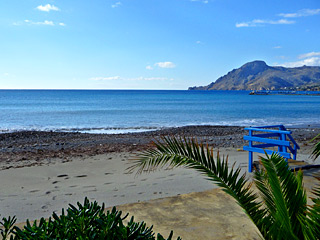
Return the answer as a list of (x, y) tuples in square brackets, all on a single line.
[(250, 162)]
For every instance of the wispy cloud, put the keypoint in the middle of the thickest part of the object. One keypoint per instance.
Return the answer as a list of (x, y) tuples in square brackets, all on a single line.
[(277, 47), (117, 4), (263, 22), (308, 55), (47, 8), (165, 64), (308, 59), (202, 1), (130, 79), (45, 22), (149, 67), (301, 13), (313, 61)]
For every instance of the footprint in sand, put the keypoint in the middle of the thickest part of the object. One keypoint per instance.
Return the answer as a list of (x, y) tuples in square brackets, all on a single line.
[(141, 193), (73, 186), (108, 173), (62, 175), (107, 183), (89, 186), (81, 176), (171, 175), (160, 177), (33, 191), (54, 182), (132, 185), (93, 190), (142, 180)]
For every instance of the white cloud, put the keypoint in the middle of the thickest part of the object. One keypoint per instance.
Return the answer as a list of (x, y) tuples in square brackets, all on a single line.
[(203, 1), (262, 22), (131, 79), (117, 4), (105, 78), (165, 64), (313, 61), (47, 8), (149, 67), (301, 13), (277, 47), (199, 42), (46, 22), (308, 55)]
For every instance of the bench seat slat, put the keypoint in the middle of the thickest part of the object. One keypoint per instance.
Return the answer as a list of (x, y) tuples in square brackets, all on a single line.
[(259, 150), (268, 130), (266, 135), (267, 140)]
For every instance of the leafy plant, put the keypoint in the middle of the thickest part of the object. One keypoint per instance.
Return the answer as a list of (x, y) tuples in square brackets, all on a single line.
[(7, 225), (316, 150), (281, 212), (87, 221)]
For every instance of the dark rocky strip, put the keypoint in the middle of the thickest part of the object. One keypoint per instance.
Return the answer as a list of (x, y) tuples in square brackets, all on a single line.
[(35, 147)]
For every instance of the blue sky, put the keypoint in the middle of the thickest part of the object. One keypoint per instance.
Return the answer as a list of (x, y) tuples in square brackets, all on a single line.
[(149, 44)]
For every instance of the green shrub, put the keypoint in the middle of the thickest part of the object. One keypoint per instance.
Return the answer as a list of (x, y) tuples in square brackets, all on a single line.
[(87, 221)]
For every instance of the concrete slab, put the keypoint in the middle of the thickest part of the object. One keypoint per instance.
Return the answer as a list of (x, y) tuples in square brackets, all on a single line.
[(210, 214)]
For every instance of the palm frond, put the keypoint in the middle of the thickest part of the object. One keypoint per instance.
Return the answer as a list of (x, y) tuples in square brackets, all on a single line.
[(284, 196), (187, 152), (313, 213), (316, 151), (283, 212)]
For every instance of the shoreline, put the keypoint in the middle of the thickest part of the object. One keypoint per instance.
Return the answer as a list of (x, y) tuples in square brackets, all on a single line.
[(28, 148), (42, 172)]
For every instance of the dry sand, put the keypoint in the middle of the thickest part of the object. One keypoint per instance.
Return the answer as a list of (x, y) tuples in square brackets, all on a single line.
[(37, 191)]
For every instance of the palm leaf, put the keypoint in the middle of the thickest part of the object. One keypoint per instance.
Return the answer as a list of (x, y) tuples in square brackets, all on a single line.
[(283, 212), (175, 152), (284, 196), (316, 149)]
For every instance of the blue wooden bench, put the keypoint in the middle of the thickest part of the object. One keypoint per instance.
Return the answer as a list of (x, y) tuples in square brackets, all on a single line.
[(270, 136)]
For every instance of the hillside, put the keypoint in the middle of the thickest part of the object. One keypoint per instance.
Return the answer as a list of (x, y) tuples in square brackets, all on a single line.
[(257, 75)]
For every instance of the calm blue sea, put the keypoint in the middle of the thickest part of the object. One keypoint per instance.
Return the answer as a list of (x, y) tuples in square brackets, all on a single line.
[(118, 111)]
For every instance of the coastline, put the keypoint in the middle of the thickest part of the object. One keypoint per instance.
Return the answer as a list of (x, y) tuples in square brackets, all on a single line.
[(42, 172), (28, 148)]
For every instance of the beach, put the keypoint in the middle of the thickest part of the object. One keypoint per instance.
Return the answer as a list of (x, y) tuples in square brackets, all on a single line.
[(43, 172)]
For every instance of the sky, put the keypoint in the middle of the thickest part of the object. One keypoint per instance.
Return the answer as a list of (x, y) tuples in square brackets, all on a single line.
[(149, 44)]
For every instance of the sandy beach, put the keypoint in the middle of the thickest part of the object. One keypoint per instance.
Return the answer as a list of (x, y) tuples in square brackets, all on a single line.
[(43, 172)]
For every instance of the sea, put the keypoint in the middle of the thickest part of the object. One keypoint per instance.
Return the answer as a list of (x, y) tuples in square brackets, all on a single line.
[(123, 111)]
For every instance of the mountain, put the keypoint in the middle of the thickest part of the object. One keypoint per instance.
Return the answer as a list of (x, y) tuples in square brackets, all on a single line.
[(257, 75)]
